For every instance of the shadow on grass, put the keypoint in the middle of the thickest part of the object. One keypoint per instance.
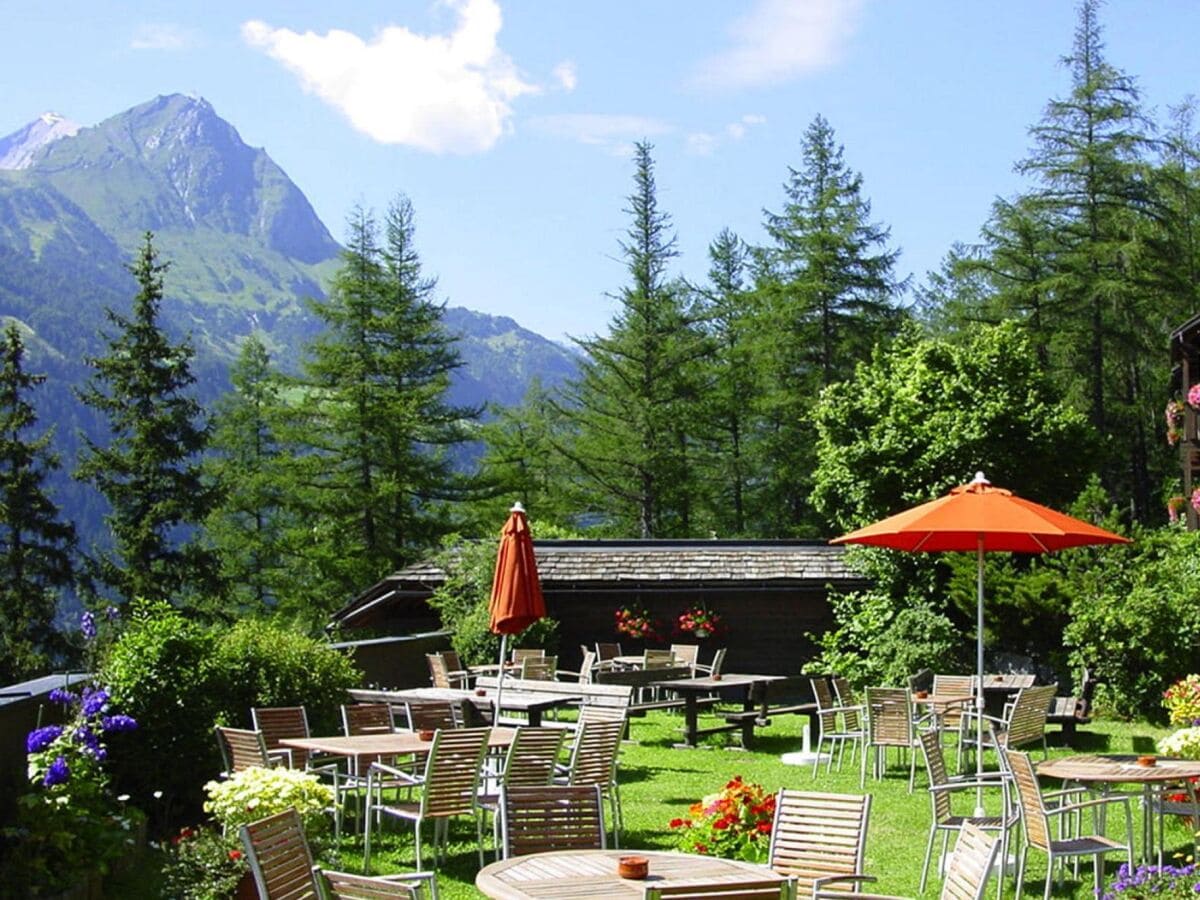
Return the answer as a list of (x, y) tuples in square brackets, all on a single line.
[(1143, 743)]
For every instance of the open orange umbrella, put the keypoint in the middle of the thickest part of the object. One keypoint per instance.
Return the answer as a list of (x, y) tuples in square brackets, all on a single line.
[(516, 601), (981, 518)]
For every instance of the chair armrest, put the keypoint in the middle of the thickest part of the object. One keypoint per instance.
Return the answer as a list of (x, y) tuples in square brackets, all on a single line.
[(819, 883), (400, 774), (376, 885), (964, 785), (853, 895), (1084, 804), (280, 755)]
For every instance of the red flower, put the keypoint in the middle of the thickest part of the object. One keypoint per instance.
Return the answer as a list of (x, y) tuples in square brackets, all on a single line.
[(235, 854), (764, 827), (677, 823), (702, 848), (721, 824)]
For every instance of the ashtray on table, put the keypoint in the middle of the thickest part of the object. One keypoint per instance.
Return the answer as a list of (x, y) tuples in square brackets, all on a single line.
[(425, 734), (636, 867), (1147, 761)]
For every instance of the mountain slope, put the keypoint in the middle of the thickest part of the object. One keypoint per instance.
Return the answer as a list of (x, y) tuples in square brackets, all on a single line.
[(18, 150)]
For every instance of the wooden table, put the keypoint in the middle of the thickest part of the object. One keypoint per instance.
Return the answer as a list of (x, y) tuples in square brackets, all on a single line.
[(593, 873), (530, 703), (940, 704), (1100, 772), (754, 689), (364, 749)]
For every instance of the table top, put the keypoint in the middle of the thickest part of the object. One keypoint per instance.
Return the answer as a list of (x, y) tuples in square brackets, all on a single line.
[(593, 873), (943, 699), (373, 746), (521, 701), (1118, 769), (709, 683)]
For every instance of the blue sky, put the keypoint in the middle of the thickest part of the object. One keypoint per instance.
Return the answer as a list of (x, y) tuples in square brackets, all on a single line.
[(509, 122)]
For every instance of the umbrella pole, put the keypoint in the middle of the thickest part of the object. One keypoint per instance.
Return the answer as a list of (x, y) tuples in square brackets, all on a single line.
[(979, 674), (500, 681)]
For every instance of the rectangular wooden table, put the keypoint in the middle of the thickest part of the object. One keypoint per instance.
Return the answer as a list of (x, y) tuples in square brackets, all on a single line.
[(573, 874), (530, 703), (366, 748), (754, 687)]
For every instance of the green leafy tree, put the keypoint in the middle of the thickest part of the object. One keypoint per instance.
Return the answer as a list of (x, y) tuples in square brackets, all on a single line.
[(635, 399), (828, 293), (150, 471), (374, 481), (248, 527), (35, 545)]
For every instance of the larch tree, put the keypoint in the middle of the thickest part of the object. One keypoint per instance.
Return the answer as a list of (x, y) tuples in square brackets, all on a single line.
[(634, 401), (36, 546), (150, 470), (828, 292)]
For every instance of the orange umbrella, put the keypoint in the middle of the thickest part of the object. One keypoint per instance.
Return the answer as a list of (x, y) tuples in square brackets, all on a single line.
[(516, 601), (981, 518)]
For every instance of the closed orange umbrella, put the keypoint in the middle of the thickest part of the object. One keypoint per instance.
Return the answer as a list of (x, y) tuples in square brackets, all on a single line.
[(516, 601), (981, 518)]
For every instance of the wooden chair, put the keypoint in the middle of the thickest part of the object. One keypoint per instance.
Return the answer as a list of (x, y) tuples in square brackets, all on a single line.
[(531, 761), (744, 887), (520, 654), (448, 788), (242, 749), (658, 659), (440, 673), (889, 724), (460, 676), (367, 718), (819, 839), (1035, 818), (966, 875), (431, 715), (279, 858), (1024, 722), (594, 764), (539, 668), (607, 653), (536, 818), (279, 722), (838, 724), (714, 667), (1069, 712), (686, 655), (942, 788)]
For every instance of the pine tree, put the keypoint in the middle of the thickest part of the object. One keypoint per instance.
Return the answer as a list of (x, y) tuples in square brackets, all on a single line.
[(247, 528), (35, 545), (635, 398), (150, 471), (375, 423), (827, 290), (1088, 158)]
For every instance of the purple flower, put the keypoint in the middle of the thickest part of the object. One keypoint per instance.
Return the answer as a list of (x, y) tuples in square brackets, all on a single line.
[(63, 696), (41, 738), (112, 613), (94, 701), (118, 723), (57, 773), (87, 624)]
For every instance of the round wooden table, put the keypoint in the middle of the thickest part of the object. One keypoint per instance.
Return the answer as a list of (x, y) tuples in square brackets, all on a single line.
[(593, 873), (1100, 772)]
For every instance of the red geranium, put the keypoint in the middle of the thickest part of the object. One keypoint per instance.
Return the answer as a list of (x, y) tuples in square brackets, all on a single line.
[(734, 823)]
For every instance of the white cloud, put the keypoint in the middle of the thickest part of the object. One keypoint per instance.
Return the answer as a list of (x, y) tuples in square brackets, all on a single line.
[(737, 130), (565, 75), (614, 133), (161, 36), (700, 143), (442, 93), (780, 39)]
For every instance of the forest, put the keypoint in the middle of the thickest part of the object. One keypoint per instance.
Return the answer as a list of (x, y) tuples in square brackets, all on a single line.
[(801, 389)]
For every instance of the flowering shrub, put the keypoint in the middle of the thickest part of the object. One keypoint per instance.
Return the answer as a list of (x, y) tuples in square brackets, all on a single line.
[(636, 622), (1182, 701), (1175, 505), (1193, 396), (1184, 743), (256, 793), (203, 864), (734, 823), (1174, 415), (698, 621), (1159, 882)]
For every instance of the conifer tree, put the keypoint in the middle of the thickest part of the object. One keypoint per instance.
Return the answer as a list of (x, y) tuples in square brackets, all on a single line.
[(375, 422), (150, 471), (828, 295), (35, 545), (635, 397)]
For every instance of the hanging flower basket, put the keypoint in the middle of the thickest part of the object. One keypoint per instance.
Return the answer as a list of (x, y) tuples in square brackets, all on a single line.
[(1193, 396), (1174, 416), (699, 622), (635, 622)]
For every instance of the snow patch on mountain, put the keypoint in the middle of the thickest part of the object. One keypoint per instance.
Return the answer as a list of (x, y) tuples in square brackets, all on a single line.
[(19, 149)]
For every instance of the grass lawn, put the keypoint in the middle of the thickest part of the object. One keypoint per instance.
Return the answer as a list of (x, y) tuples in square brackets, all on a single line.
[(659, 782)]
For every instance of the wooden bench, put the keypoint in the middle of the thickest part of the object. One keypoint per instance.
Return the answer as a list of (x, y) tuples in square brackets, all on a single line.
[(1068, 712), (748, 719), (639, 678)]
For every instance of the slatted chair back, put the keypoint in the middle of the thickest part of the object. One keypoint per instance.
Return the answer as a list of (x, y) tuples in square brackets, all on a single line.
[(242, 749), (816, 835), (367, 718), (520, 654), (739, 887), (658, 659), (971, 864), (889, 717), (431, 714), (935, 764), (606, 652), (587, 666), (538, 818), (598, 712), (279, 722), (594, 756), (851, 717), (826, 705), (532, 756), (686, 655), (539, 668), (279, 857), (953, 685), (718, 661), (1027, 719), (1029, 796), (439, 672), (452, 772)]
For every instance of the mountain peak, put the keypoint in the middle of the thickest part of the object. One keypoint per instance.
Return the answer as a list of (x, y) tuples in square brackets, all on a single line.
[(19, 149)]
